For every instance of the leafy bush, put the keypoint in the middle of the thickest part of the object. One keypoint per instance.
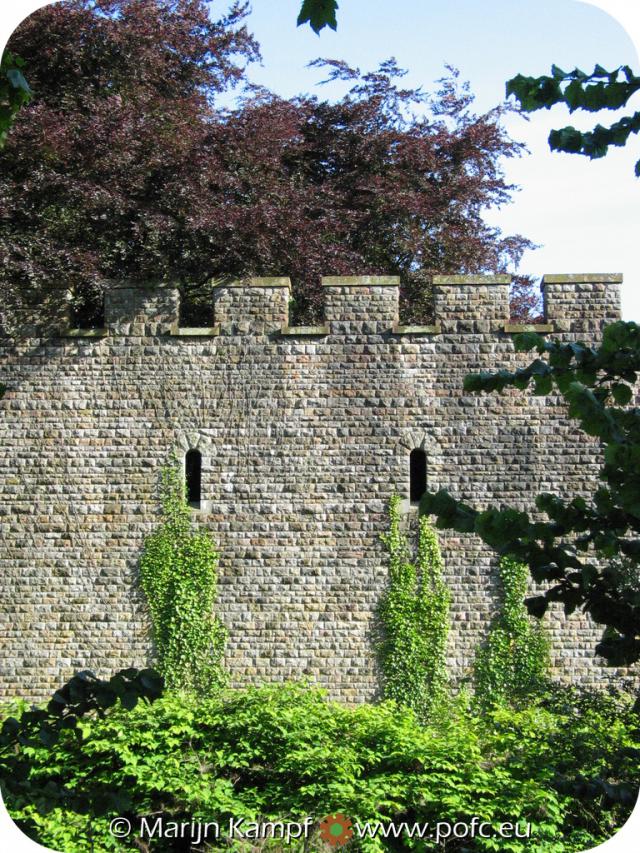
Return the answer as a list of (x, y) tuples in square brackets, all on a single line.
[(27, 732), (595, 752), (285, 753), (178, 572), (414, 616), (515, 657)]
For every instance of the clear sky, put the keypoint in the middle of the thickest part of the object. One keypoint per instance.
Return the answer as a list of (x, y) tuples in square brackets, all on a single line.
[(584, 214)]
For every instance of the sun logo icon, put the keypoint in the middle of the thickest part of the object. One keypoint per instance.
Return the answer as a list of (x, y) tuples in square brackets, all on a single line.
[(336, 830)]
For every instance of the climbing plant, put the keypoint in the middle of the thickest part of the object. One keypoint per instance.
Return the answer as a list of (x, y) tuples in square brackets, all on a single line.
[(178, 573), (515, 657), (414, 619)]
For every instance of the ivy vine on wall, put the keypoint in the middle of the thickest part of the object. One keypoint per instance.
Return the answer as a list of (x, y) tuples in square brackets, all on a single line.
[(515, 657), (414, 619), (178, 573)]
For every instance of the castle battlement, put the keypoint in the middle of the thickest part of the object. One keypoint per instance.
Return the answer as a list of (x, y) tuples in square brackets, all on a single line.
[(299, 436), (356, 305)]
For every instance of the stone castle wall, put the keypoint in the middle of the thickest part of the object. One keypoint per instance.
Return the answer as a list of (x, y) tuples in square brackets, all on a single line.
[(305, 434)]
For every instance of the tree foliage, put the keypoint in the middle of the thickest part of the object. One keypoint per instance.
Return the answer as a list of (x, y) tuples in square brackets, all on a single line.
[(589, 550), (576, 89), (567, 764), (126, 166), (93, 165), (600, 90), (39, 729)]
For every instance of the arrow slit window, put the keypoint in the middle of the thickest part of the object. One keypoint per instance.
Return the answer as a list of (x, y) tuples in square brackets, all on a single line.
[(193, 477), (417, 475)]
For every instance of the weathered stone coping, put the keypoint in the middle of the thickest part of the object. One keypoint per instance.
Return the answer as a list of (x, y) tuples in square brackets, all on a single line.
[(196, 331), (360, 281), (254, 281), (181, 331), (434, 329), (471, 279), (584, 278), (541, 328), (304, 330)]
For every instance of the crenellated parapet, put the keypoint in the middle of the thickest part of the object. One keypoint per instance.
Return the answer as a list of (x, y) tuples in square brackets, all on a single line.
[(471, 304)]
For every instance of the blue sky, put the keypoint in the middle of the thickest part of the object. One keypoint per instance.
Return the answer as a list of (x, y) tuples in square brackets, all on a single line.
[(488, 41)]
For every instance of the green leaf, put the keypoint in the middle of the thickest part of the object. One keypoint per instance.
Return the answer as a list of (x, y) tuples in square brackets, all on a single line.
[(526, 341), (105, 697), (48, 736), (537, 606), (319, 14), (573, 95), (129, 699), (543, 385), (622, 394), (130, 672), (118, 684), (567, 139), (151, 680), (57, 702)]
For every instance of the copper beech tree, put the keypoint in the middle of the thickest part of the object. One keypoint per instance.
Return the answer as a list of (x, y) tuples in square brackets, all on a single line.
[(124, 164)]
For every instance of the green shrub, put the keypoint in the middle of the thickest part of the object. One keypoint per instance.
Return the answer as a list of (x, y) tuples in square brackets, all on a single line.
[(285, 753), (178, 573), (27, 731), (514, 659), (414, 617), (594, 752)]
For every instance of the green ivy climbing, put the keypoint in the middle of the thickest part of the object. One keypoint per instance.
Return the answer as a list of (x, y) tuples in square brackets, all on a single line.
[(414, 617), (178, 572), (515, 657)]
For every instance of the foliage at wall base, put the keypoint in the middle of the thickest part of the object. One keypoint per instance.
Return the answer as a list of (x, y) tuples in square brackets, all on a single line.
[(567, 765), (28, 731)]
